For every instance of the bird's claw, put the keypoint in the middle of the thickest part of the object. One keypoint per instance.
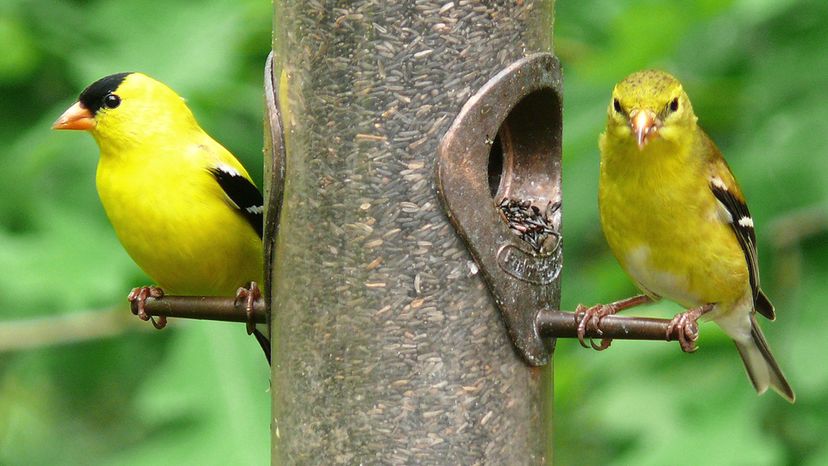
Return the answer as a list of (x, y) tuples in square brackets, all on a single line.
[(685, 326), (592, 316), (249, 295), (686, 330), (138, 297)]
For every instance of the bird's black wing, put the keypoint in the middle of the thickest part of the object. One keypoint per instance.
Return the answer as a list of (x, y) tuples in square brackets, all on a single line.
[(243, 194), (247, 198), (742, 224)]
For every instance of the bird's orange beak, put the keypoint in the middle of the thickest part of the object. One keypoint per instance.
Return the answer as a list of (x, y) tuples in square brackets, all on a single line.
[(75, 117), (644, 125)]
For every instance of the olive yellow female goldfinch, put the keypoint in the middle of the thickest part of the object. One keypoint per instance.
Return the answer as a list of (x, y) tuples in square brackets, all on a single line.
[(181, 204), (677, 221)]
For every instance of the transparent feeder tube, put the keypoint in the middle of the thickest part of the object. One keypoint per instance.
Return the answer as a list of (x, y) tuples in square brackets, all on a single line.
[(388, 348)]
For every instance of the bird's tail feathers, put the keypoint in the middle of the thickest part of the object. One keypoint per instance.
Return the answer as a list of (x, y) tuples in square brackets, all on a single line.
[(763, 306), (761, 367), (264, 342)]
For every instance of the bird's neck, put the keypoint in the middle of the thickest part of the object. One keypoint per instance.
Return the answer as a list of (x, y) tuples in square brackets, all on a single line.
[(623, 158), (160, 136)]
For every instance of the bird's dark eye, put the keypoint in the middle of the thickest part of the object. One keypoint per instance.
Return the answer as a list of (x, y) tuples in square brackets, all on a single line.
[(616, 105), (673, 105), (111, 101)]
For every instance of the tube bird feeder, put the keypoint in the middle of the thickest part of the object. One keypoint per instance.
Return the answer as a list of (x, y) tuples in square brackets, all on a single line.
[(388, 345), (412, 234)]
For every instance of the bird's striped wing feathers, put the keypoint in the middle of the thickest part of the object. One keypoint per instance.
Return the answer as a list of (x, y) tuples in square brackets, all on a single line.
[(742, 224), (243, 194)]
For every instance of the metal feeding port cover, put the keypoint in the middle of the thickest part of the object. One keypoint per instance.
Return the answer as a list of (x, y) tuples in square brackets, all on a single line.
[(499, 177), (274, 150)]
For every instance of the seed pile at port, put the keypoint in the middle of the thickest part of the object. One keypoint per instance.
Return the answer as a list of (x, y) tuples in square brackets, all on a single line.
[(534, 226)]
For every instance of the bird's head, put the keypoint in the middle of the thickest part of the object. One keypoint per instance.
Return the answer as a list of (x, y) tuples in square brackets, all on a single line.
[(126, 108), (648, 106)]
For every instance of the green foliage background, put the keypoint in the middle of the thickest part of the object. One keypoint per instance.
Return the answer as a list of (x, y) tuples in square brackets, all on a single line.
[(106, 389)]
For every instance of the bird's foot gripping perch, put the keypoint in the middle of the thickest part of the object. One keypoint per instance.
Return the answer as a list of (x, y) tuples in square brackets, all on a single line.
[(249, 296), (593, 315), (140, 295), (685, 326)]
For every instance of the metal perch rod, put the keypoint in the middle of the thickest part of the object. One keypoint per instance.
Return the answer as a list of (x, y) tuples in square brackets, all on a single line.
[(550, 323), (203, 307), (562, 324)]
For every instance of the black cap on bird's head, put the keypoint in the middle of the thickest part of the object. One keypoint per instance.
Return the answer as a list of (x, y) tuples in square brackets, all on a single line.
[(96, 96), (93, 97)]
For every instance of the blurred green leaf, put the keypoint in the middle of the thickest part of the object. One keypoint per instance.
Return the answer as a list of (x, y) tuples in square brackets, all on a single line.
[(19, 54)]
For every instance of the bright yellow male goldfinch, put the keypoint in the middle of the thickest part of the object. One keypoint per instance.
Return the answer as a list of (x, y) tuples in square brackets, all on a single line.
[(678, 223), (181, 204)]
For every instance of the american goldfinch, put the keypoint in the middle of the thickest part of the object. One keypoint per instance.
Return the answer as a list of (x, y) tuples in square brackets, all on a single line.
[(677, 222), (181, 204)]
